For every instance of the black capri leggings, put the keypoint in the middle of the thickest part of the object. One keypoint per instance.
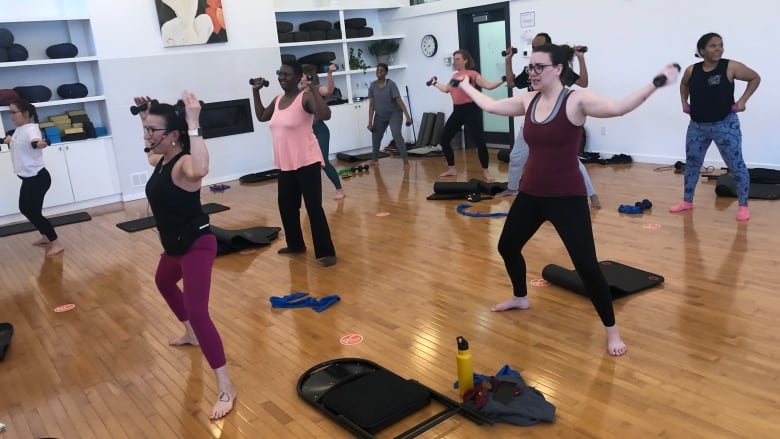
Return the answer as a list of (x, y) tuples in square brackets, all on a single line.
[(31, 202), (470, 116)]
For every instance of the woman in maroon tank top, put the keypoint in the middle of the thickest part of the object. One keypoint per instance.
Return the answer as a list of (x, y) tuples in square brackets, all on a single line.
[(552, 188)]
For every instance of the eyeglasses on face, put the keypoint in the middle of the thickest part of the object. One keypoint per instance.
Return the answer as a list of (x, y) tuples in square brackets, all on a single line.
[(537, 68), (149, 131)]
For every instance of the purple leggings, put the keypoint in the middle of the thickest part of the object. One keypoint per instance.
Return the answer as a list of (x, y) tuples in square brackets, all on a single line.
[(192, 304)]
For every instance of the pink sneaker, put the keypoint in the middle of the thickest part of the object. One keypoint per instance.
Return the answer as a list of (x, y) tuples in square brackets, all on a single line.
[(685, 205), (743, 213)]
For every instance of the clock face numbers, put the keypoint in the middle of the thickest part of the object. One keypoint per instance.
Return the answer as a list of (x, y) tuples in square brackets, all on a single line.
[(429, 45)]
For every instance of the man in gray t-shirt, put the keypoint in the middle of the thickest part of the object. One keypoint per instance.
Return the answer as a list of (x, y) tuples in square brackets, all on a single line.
[(385, 109)]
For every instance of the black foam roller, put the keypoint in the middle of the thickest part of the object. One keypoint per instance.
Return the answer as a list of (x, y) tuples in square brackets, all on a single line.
[(564, 278), (62, 50), (6, 38), (503, 155)]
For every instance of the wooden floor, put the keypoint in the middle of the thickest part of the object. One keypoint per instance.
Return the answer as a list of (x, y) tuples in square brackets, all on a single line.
[(703, 360)]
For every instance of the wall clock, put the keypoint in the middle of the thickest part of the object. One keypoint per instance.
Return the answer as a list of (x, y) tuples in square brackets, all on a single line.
[(429, 45)]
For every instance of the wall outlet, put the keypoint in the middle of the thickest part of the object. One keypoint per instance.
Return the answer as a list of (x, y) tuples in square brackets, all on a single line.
[(139, 179)]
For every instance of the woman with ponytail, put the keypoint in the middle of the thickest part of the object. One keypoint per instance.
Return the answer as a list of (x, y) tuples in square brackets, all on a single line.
[(26, 144)]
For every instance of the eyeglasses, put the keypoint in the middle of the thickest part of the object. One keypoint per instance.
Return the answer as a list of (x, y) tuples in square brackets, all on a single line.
[(149, 131), (537, 68)]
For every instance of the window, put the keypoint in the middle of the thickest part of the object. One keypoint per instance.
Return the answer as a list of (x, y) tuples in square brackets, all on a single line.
[(420, 2)]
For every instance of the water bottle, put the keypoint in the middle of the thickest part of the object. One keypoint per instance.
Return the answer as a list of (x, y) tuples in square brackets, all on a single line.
[(465, 369)]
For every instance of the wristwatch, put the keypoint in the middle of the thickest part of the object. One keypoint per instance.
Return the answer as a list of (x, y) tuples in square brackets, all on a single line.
[(196, 132)]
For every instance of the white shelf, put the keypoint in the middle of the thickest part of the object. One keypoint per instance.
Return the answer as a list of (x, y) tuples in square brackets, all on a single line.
[(311, 43), (64, 102), (374, 38), (43, 19), (44, 62)]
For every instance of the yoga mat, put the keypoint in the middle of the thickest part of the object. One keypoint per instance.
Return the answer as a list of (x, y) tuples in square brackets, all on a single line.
[(727, 187), (62, 220), (438, 128), (428, 129), (419, 142), (231, 241), (352, 157), (622, 279), (148, 222)]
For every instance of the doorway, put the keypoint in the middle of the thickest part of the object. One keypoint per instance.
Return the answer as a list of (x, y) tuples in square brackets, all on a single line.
[(484, 32)]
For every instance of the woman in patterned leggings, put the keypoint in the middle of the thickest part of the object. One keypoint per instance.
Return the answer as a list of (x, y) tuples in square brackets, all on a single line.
[(710, 86)]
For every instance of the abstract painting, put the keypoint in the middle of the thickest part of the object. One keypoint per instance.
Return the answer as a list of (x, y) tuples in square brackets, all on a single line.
[(188, 22)]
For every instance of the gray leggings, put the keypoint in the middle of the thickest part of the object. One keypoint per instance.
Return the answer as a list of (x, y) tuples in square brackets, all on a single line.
[(519, 156), (380, 125)]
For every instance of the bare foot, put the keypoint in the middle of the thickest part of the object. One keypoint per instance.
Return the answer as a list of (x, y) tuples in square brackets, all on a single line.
[(488, 178), (373, 163), (185, 339), (514, 302), (407, 166), (615, 345), (56, 248), (450, 172), (595, 203), (339, 194), (506, 193), (43, 241), (223, 405)]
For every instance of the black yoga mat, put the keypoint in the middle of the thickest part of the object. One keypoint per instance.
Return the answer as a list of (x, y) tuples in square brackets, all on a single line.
[(259, 176), (421, 133), (622, 279), (451, 190), (148, 222), (347, 157), (61, 220), (427, 128), (438, 129), (6, 331), (230, 241)]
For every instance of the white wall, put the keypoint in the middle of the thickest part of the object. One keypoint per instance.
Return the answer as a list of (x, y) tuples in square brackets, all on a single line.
[(134, 62), (629, 41)]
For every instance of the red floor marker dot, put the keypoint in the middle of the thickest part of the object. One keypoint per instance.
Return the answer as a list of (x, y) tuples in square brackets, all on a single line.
[(539, 283), (383, 214), (247, 251), (64, 308), (351, 339), (651, 226)]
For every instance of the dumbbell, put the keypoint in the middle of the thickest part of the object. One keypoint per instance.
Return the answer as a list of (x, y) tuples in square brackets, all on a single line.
[(431, 81), (134, 110), (360, 168), (504, 53), (583, 49), (252, 82), (455, 82), (34, 143), (661, 79), (409, 123)]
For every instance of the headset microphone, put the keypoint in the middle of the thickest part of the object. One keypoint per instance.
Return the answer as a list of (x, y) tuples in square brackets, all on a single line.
[(153, 146)]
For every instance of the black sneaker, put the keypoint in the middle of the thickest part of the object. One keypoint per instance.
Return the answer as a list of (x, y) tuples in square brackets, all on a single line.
[(288, 250)]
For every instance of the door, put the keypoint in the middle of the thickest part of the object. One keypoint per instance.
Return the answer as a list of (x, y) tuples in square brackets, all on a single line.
[(484, 32)]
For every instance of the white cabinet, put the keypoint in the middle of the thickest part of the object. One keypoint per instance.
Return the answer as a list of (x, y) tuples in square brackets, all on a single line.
[(80, 171), (348, 127)]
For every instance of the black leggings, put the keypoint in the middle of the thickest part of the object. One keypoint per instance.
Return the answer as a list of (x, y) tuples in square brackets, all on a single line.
[(470, 116), (571, 218), (31, 202)]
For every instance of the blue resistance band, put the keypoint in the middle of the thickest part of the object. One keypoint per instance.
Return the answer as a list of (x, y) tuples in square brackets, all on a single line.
[(463, 207)]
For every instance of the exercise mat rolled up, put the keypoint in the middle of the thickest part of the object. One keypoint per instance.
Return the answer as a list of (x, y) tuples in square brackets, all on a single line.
[(456, 187), (564, 278)]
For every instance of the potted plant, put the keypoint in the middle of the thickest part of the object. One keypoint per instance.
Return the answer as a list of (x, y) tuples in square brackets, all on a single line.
[(356, 60), (382, 49)]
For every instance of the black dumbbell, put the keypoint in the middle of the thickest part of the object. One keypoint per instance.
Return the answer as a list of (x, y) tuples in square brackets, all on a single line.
[(583, 49), (34, 143), (252, 82), (455, 82), (408, 123), (134, 110), (661, 79), (431, 81), (514, 51), (360, 168)]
